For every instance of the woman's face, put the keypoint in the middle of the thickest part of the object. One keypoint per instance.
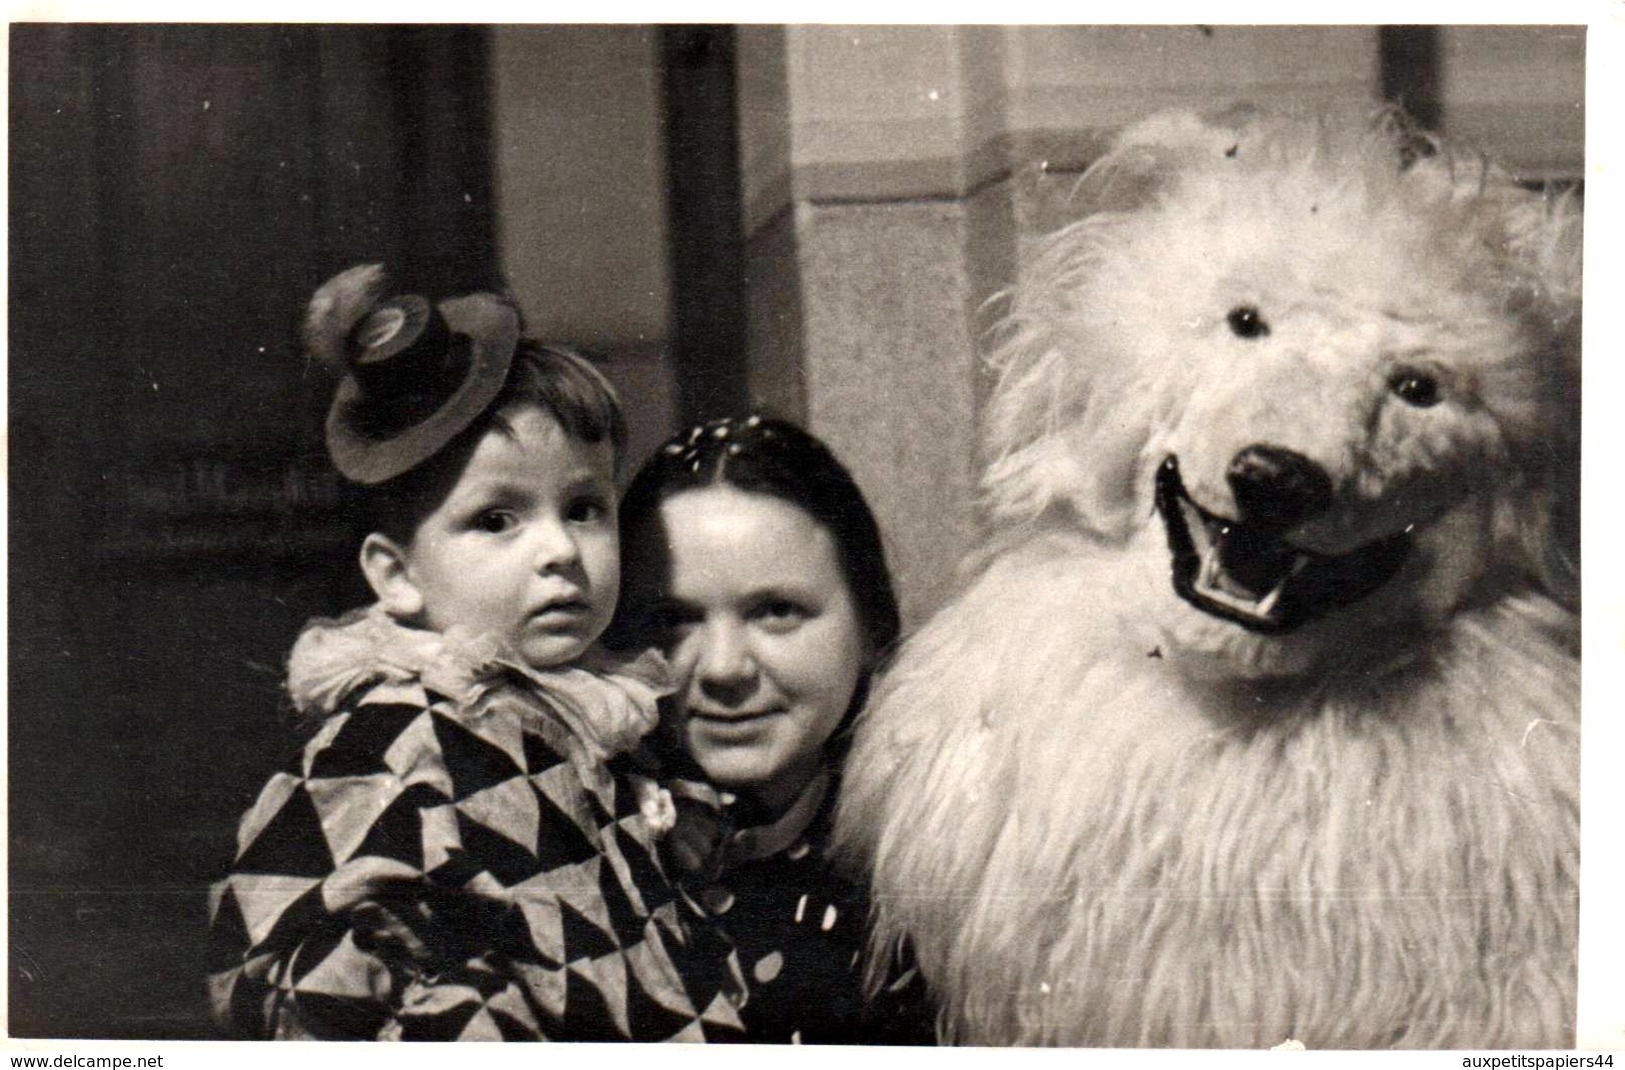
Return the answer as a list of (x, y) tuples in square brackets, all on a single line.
[(764, 635)]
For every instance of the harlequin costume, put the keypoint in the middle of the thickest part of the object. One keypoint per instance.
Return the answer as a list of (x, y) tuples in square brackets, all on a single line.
[(460, 853)]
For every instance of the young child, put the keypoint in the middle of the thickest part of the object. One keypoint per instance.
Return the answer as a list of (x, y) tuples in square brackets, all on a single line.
[(462, 851)]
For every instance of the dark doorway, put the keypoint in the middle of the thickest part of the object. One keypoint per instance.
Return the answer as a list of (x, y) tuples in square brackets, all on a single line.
[(175, 191)]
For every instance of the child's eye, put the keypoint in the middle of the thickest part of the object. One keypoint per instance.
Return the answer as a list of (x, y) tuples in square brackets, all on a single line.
[(494, 521), (587, 511)]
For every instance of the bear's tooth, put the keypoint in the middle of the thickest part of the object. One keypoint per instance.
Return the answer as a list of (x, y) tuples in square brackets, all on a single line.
[(1209, 575), (1267, 606)]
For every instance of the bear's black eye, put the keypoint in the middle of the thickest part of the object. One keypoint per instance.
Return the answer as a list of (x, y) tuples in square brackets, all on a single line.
[(1415, 388), (1245, 322)]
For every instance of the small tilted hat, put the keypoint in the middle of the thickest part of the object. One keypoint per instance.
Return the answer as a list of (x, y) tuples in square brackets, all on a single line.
[(416, 373)]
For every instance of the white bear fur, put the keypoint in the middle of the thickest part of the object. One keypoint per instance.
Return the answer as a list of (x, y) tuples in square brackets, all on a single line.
[(1100, 816)]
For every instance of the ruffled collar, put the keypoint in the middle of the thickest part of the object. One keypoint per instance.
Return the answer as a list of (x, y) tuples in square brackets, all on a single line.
[(609, 703)]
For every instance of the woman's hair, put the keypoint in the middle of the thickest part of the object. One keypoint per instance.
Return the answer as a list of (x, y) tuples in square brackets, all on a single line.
[(772, 457), (556, 380)]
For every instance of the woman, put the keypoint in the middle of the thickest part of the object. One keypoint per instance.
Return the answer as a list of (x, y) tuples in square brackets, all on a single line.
[(752, 559)]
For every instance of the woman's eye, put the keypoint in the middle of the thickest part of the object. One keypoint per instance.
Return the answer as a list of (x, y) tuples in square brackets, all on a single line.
[(780, 614), (494, 521), (1247, 322)]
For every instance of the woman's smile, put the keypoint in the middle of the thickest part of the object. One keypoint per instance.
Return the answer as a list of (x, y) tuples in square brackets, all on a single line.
[(731, 716), (733, 728)]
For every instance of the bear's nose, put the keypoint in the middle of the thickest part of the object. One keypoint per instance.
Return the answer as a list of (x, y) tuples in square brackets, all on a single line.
[(1277, 489)]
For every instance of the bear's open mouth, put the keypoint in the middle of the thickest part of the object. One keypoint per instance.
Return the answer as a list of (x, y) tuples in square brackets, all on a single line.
[(1253, 577)]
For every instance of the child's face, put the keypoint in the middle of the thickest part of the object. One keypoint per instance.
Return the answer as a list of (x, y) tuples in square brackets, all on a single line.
[(525, 545)]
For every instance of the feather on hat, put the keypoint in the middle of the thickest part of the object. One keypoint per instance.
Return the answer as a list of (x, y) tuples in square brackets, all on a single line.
[(336, 308)]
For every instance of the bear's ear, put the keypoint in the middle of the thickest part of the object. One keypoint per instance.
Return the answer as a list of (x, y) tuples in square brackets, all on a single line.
[(1542, 235), (1064, 433), (1185, 132), (1536, 232), (1148, 156)]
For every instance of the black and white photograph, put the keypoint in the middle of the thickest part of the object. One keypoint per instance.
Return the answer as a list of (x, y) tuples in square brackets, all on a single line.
[(897, 535)]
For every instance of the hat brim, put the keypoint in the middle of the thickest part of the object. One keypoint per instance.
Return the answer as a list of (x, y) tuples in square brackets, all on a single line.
[(492, 326)]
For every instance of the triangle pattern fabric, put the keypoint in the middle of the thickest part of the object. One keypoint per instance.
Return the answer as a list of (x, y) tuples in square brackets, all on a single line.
[(345, 972), (228, 932), (658, 1009), (647, 1017), (414, 756), (644, 878), (542, 919), (473, 764), (317, 948), (582, 938), (321, 1017), (561, 840), (271, 799), (398, 831), (291, 843), (710, 971), (547, 988), (562, 788), (587, 1011), (506, 734), (609, 976), (264, 898), (481, 1026), (624, 920), (349, 806), (365, 735), (694, 1033), (499, 856), (325, 734), (576, 884), (721, 1017), (539, 756), (510, 1026), (603, 799), (509, 808), (440, 837)]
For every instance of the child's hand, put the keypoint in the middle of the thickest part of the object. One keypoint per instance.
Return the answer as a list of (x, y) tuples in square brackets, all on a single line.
[(382, 932), (694, 846)]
